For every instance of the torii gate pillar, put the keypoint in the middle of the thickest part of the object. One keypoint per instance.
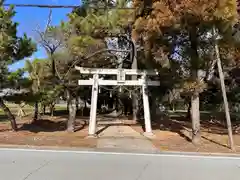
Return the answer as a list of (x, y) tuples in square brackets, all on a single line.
[(93, 110), (147, 116)]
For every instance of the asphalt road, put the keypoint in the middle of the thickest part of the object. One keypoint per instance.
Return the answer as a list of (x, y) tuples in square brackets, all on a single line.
[(63, 165)]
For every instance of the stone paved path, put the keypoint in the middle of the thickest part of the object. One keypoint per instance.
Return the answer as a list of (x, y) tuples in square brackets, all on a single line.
[(124, 138)]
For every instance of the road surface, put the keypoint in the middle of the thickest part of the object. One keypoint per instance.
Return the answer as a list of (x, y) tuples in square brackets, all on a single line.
[(80, 165)]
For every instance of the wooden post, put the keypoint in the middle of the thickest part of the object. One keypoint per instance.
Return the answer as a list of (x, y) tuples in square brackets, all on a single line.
[(226, 107), (93, 111), (147, 117)]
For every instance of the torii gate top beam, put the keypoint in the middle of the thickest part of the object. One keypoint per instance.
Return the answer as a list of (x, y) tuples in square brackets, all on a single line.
[(115, 71)]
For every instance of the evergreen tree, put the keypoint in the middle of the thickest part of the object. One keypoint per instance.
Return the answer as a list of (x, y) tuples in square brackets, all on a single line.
[(12, 49), (166, 28)]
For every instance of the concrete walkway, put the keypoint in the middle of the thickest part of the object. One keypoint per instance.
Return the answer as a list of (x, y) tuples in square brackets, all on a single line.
[(124, 138)]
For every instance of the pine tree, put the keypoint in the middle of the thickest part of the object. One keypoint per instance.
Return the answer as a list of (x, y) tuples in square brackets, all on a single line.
[(187, 20), (12, 49)]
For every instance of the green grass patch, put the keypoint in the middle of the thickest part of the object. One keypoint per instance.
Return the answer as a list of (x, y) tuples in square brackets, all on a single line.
[(59, 108), (1, 113)]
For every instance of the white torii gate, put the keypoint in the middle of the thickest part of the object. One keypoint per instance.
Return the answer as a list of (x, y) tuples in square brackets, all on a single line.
[(121, 81)]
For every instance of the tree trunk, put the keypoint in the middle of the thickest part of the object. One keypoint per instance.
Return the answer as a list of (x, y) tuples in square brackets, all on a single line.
[(173, 107), (195, 112), (114, 103), (72, 113), (153, 106), (21, 112), (67, 105), (52, 109), (68, 96), (36, 107), (85, 109), (9, 115), (189, 110), (135, 105), (44, 109), (117, 103), (53, 64), (195, 116), (77, 103)]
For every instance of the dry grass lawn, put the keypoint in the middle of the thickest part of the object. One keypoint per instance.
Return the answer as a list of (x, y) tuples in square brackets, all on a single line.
[(46, 133)]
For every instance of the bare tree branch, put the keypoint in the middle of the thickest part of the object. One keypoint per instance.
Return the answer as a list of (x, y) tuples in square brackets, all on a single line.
[(49, 21), (90, 56)]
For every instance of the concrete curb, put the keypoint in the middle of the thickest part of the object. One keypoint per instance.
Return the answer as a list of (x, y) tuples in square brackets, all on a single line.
[(9, 146), (201, 154), (113, 150)]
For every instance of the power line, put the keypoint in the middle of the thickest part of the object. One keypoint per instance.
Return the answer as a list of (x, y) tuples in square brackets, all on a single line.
[(62, 6), (41, 5)]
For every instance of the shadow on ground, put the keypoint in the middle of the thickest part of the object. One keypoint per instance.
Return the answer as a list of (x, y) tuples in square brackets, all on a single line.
[(46, 125), (180, 124), (57, 122), (64, 112), (3, 118)]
